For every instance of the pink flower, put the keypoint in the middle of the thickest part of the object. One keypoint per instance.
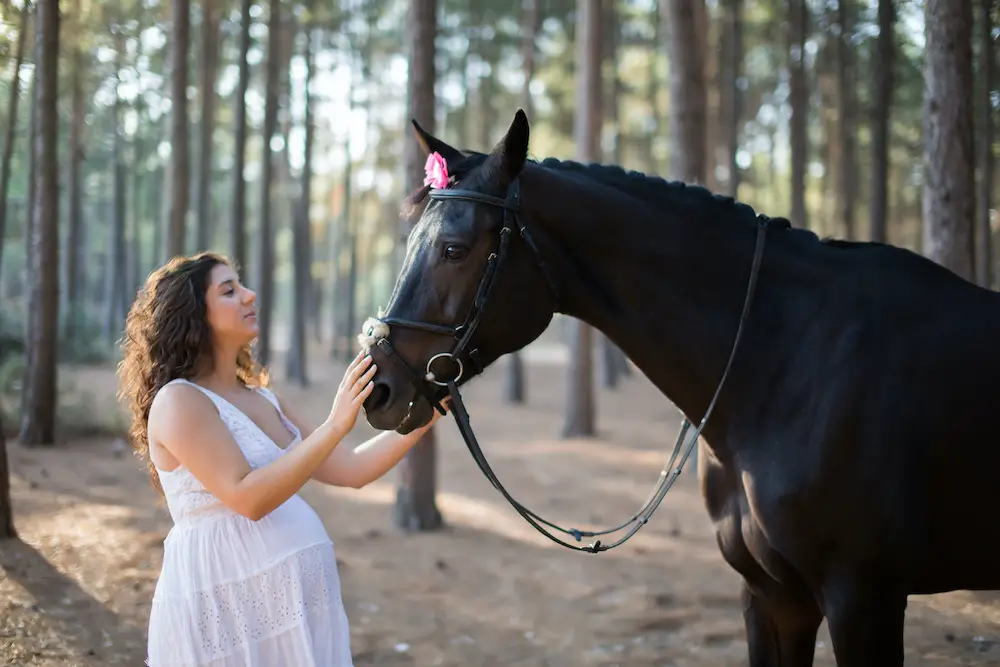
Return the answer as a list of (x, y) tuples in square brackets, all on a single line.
[(437, 171)]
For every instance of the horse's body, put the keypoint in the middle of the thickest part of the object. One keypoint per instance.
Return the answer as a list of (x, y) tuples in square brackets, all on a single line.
[(853, 454)]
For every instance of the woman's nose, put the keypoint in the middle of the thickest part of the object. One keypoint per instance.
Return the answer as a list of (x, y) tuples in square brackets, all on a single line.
[(249, 296)]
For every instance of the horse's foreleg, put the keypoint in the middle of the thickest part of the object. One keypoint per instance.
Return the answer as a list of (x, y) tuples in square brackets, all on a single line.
[(781, 629), (866, 623)]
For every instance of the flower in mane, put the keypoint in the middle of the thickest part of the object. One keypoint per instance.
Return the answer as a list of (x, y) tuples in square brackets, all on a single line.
[(436, 170)]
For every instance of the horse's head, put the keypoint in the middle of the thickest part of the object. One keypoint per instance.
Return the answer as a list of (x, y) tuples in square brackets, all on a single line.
[(470, 288)]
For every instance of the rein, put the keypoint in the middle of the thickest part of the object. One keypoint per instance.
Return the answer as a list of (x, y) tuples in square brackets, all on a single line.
[(379, 329)]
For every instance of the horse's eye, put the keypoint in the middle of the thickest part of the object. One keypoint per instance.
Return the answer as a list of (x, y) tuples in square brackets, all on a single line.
[(455, 252)]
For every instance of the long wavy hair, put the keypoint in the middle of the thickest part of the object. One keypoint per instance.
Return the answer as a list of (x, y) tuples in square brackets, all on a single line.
[(167, 336)]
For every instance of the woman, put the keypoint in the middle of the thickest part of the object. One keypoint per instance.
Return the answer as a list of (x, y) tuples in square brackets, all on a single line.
[(249, 575)]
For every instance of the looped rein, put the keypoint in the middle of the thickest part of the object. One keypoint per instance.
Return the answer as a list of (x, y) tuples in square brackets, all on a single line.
[(377, 332)]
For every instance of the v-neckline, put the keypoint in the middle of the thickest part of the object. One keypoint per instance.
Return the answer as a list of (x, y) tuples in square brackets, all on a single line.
[(296, 436)]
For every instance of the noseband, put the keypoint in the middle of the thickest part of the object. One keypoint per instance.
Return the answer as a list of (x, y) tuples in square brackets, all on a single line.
[(462, 334), (378, 329)]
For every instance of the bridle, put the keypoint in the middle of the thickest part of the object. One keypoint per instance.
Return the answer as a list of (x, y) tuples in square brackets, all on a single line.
[(511, 206)]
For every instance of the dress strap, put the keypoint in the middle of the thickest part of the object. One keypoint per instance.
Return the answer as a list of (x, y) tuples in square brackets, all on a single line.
[(217, 400)]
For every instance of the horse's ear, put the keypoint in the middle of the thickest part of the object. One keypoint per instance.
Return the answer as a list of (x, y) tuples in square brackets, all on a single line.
[(431, 144), (509, 155)]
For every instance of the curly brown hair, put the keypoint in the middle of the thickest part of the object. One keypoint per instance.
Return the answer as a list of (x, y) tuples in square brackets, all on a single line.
[(167, 336)]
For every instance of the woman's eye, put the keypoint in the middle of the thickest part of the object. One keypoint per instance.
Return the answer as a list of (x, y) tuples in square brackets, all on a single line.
[(455, 252)]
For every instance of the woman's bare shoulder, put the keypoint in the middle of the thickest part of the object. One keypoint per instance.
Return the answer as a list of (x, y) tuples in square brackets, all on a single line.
[(180, 406)]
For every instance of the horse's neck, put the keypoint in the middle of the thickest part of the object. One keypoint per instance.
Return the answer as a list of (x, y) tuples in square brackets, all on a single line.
[(669, 292)]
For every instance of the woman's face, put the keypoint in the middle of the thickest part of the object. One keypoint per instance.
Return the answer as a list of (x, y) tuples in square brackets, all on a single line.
[(232, 314)]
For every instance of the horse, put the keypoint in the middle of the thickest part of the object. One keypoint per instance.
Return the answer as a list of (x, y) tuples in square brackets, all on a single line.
[(851, 455)]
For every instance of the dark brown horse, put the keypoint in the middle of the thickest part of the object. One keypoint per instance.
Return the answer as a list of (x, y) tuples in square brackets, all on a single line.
[(852, 455)]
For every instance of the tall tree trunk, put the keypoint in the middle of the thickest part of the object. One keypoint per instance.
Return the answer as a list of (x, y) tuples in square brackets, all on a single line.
[(612, 359), (798, 20), (847, 118), (730, 94), (29, 220), (115, 287), (238, 240), (658, 19), (514, 381), (265, 245), (39, 421), (580, 400), (7, 529), (882, 95), (987, 56), (179, 176), (688, 100), (949, 203), (209, 68), (302, 244), (345, 291), (72, 280), (416, 506), (8, 144)]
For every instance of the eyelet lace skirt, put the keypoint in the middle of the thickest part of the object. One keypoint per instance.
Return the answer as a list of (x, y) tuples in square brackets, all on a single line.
[(239, 593)]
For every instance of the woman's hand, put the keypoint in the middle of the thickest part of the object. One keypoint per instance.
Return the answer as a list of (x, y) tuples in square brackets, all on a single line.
[(436, 415), (355, 387)]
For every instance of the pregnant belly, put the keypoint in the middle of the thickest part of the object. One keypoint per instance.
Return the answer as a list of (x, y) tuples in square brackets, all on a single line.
[(236, 546)]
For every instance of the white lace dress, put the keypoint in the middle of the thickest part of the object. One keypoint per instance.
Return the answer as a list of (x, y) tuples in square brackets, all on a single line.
[(239, 593)]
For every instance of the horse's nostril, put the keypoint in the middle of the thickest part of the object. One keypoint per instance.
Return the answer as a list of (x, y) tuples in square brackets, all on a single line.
[(379, 397)]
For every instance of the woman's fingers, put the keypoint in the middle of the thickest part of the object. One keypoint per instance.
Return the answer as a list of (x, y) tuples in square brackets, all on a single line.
[(359, 368), (361, 383), (365, 393), (352, 368)]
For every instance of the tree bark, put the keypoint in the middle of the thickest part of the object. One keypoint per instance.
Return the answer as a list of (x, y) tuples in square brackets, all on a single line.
[(238, 241), (209, 68), (7, 529), (847, 124), (514, 381), (72, 278), (580, 400), (265, 246), (987, 59), (179, 176), (798, 19), (416, 506), (302, 244), (730, 93), (882, 95), (39, 420), (11, 135), (949, 203), (115, 295), (688, 101)]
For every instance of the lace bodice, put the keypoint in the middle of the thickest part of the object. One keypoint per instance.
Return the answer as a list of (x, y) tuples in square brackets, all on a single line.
[(187, 499)]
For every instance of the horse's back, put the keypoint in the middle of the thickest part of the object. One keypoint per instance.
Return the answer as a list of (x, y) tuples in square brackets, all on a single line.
[(929, 430)]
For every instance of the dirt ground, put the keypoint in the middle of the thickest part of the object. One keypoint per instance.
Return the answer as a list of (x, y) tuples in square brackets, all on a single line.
[(487, 590)]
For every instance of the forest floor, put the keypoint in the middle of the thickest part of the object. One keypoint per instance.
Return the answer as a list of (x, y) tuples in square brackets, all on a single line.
[(486, 590)]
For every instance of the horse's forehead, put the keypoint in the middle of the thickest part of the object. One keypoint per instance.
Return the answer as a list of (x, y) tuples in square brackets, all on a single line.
[(450, 217)]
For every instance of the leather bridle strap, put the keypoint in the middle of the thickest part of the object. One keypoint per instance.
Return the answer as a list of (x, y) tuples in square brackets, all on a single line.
[(463, 335), (668, 475)]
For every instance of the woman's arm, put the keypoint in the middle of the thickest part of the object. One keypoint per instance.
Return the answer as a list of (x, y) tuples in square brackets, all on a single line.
[(187, 424), (359, 466), (365, 463)]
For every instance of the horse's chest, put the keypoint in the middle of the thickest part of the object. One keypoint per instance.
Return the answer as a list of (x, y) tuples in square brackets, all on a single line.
[(750, 525)]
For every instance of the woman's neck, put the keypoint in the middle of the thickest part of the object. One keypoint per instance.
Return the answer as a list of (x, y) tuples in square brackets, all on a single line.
[(222, 372)]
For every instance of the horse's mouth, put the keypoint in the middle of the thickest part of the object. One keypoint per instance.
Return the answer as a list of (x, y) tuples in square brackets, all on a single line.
[(406, 424)]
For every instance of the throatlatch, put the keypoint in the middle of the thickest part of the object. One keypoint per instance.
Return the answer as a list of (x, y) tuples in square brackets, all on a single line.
[(378, 330)]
